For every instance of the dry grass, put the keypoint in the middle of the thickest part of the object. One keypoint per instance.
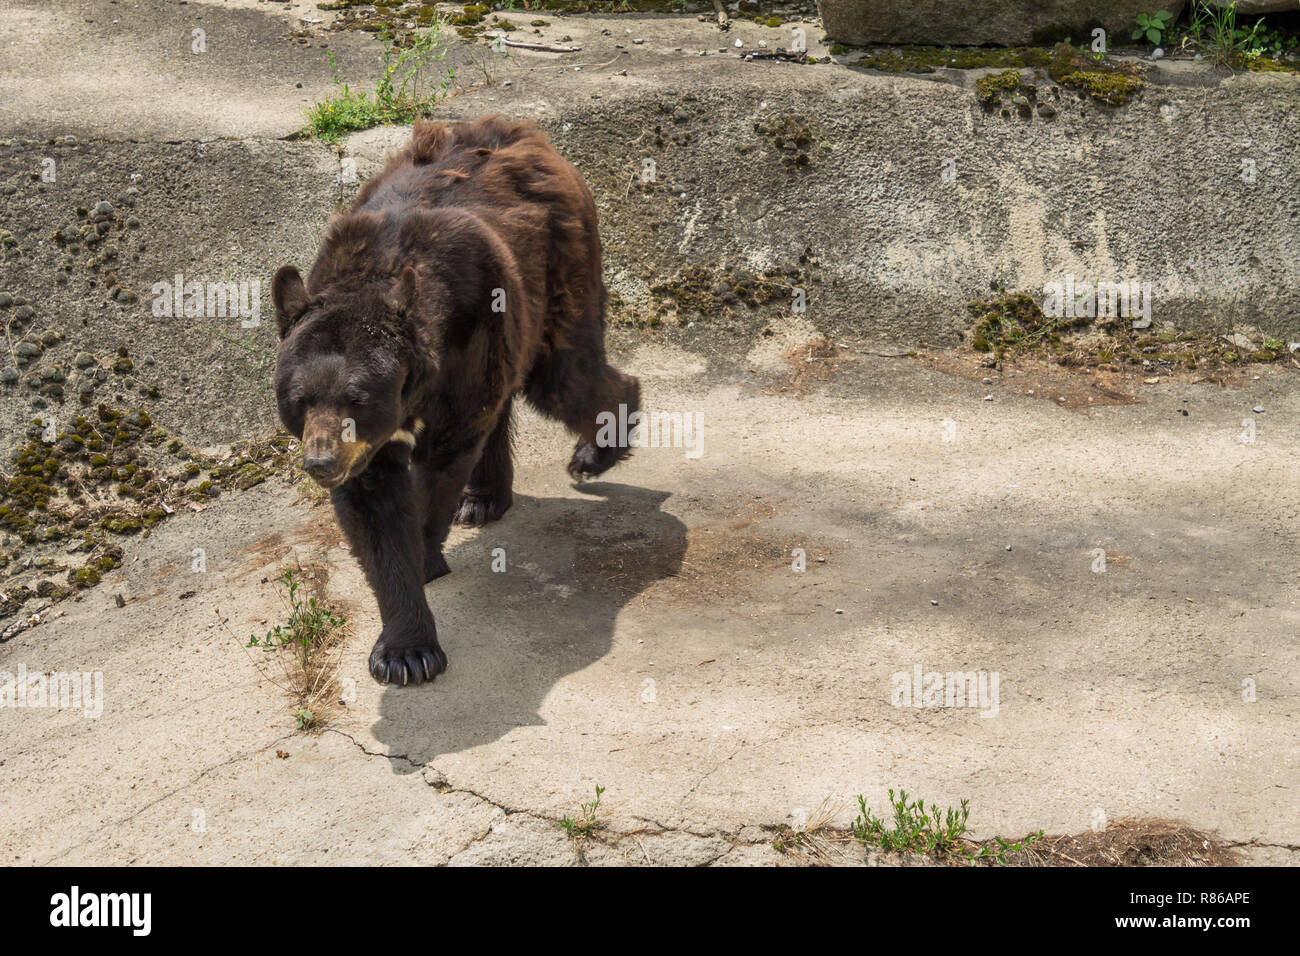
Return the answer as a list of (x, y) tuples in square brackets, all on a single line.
[(1129, 843), (816, 843)]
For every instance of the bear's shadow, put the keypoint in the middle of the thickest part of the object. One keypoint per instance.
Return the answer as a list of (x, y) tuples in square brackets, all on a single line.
[(570, 566)]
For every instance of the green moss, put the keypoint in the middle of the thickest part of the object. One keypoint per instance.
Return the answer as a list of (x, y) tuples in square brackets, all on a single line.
[(709, 292), (1114, 89), (122, 524), (990, 89), (249, 475), (472, 14), (1264, 64), (791, 135), (1012, 322), (86, 577), (926, 59)]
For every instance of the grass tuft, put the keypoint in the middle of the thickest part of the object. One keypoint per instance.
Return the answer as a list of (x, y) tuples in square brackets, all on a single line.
[(407, 90)]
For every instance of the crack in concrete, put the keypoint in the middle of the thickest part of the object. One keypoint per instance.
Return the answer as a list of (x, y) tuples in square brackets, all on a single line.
[(166, 796), (611, 840)]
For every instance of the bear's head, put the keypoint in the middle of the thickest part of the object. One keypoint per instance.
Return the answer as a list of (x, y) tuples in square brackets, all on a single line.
[(341, 369)]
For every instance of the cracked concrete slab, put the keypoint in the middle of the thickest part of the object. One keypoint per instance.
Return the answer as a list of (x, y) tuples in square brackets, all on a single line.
[(649, 635)]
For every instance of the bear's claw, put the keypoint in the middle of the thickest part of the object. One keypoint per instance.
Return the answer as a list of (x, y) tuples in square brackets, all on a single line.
[(478, 509), (590, 460), (407, 665)]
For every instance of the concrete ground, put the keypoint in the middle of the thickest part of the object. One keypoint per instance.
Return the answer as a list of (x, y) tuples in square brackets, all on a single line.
[(649, 635), (1127, 573)]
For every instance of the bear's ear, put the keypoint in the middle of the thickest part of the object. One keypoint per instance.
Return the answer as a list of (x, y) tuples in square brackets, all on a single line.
[(402, 296), (290, 297)]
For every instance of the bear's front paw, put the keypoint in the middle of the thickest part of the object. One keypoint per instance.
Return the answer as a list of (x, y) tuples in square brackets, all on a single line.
[(589, 460), (478, 508), (406, 658)]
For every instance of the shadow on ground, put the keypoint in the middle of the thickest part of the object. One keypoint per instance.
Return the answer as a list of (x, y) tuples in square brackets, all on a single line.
[(571, 567)]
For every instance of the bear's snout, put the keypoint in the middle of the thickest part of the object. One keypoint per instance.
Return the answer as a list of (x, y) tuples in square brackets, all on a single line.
[(321, 467), (326, 457)]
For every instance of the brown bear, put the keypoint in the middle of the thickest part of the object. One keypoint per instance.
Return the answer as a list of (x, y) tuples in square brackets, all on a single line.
[(467, 271)]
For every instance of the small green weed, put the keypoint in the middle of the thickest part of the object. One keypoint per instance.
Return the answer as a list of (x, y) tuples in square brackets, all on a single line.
[(306, 651), (405, 92), (586, 822), (309, 626), (914, 829), (931, 832), (1153, 26)]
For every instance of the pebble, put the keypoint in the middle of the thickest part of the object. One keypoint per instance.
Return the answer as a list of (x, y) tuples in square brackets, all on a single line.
[(1258, 409), (83, 360), (988, 398), (934, 602), (1158, 53), (987, 381), (1008, 547), (103, 208), (9, 374)]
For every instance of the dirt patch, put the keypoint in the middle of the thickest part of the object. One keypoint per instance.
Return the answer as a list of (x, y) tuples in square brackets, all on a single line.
[(314, 536), (1085, 361), (721, 565), (810, 364)]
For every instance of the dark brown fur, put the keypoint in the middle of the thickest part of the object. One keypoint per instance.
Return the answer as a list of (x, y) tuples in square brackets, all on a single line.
[(400, 323)]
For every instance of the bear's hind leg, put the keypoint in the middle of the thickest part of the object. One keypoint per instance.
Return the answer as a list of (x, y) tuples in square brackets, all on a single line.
[(443, 489), (577, 388), (490, 490)]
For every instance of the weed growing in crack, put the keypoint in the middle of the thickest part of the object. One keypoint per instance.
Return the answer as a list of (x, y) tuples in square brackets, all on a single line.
[(914, 829), (307, 647), (586, 823), (933, 832)]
